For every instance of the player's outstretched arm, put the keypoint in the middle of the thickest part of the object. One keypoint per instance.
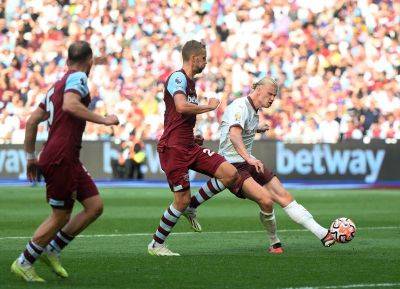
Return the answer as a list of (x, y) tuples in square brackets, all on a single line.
[(235, 135), (73, 105), (185, 107)]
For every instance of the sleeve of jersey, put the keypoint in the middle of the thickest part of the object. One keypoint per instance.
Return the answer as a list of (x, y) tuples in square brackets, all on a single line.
[(42, 103), (237, 116), (177, 83), (77, 83)]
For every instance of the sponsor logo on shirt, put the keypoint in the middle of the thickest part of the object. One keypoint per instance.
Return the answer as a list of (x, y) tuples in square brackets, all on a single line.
[(238, 116), (192, 99)]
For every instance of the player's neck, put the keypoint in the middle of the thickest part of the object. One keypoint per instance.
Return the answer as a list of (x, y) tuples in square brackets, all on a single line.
[(77, 67), (254, 103), (188, 70)]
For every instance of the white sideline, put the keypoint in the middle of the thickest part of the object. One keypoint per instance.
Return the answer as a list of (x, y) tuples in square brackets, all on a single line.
[(349, 286), (194, 233)]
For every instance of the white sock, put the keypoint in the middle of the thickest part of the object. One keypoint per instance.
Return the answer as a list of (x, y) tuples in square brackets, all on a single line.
[(269, 222), (300, 215)]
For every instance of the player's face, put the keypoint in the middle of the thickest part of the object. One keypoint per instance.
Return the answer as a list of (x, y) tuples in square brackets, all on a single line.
[(267, 94), (199, 62)]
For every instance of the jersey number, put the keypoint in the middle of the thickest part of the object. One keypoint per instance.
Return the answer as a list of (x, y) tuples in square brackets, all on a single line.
[(207, 151), (50, 106)]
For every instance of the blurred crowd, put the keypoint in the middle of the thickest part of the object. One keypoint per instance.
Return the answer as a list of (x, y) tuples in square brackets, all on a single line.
[(338, 63)]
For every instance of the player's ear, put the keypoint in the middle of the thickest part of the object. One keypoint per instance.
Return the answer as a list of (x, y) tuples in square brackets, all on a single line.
[(193, 57)]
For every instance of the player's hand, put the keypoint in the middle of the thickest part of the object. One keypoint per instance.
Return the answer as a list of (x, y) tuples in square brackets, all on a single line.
[(263, 127), (199, 139), (31, 170), (257, 163), (213, 103), (111, 119)]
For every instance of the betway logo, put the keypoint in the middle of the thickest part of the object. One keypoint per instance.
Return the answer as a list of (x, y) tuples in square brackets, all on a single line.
[(322, 160), (12, 161)]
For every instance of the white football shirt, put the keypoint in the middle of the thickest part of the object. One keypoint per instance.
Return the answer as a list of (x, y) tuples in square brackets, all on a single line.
[(240, 112)]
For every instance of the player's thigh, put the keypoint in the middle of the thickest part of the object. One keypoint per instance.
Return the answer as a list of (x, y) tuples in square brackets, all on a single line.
[(254, 191), (226, 171), (211, 164), (279, 194), (61, 185), (86, 188), (174, 163)]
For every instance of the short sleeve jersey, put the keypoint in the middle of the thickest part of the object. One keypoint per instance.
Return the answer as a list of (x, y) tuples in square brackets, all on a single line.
[(178, 128), (241, 113), (65, 130)]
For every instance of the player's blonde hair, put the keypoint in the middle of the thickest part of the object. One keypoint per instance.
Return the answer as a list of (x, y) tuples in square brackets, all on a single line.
[(264, 81)]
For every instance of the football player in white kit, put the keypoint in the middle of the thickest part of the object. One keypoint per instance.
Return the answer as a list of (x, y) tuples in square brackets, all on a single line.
[(240, 123)]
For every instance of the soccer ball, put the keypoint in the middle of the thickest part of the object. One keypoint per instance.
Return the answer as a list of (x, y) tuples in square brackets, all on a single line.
[(343, 230)]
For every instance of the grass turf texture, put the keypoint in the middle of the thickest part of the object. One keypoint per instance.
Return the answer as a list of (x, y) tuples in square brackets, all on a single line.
[(218, 257)]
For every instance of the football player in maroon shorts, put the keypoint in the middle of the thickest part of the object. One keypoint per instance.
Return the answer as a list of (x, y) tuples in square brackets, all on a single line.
[(179, 150), (65, 109)]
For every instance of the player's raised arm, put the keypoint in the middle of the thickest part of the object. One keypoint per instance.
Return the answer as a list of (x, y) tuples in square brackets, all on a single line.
[(73, 105), (76, 89), (177, 86), (185, 107)]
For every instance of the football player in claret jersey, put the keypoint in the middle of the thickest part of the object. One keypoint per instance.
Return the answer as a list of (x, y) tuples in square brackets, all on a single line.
[(65, 109), (179, 149), (240, 123)]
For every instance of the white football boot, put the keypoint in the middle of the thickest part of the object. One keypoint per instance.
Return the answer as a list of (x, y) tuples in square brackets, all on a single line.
[(190, 215), (156, 249)]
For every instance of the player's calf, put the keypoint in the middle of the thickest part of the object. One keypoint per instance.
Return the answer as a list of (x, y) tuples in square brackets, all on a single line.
[(182, 200), (207, 191), (268, 220)]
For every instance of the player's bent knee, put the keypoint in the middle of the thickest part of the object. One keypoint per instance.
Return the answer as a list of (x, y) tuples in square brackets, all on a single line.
[(266, 204), (95, 211), (60, 219), (98, 211)]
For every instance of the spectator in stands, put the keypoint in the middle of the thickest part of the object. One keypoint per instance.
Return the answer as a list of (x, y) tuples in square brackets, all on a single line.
[(325, 54)]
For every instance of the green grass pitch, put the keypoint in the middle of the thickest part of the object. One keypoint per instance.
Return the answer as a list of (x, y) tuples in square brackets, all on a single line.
[(230, 253)]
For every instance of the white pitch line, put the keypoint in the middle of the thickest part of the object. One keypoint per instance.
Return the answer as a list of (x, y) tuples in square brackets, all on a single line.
[(194, 233), (349, 286)]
